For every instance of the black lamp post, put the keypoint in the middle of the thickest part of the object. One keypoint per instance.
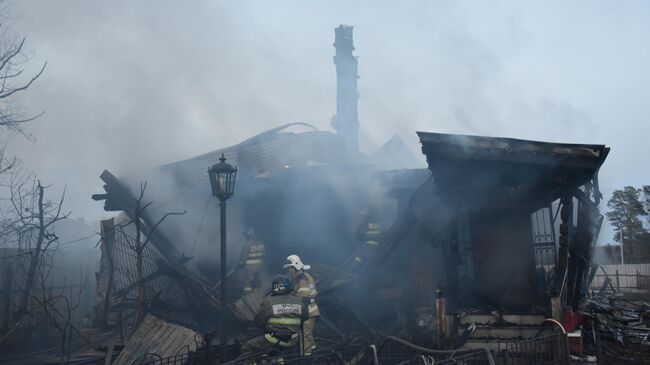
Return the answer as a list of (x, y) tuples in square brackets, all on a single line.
[(222, 180)]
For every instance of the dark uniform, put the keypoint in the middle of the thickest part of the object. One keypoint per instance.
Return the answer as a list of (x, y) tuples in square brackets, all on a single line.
[(280, 316)]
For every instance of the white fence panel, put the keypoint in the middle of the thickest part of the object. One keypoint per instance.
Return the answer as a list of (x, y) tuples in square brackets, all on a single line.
[(627, 278)]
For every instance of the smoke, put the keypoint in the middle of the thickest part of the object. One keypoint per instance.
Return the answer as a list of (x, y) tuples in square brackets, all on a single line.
[(316, 212), (132, 86)]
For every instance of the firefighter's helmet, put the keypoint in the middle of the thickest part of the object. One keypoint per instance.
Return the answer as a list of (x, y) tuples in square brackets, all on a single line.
[(295, 262), (281, 285)]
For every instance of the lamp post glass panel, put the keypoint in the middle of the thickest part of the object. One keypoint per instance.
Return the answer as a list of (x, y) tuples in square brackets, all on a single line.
[(222, 181)]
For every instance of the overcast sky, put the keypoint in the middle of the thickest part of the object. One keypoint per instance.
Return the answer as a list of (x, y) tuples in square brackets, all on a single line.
[(134, 84)]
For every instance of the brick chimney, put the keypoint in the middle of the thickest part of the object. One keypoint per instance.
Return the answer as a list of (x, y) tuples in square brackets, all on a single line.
[(346, 120)]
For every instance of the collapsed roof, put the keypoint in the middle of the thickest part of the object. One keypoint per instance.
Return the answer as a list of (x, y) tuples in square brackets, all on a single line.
[(510, 170)]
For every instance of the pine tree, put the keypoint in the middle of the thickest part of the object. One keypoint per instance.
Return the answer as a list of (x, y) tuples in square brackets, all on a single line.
[(626, 213)]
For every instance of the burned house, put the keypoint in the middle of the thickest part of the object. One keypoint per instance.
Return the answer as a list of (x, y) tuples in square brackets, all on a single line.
[(504, 228), (313, 200), (301, 189), (503, 225), (479, 249)]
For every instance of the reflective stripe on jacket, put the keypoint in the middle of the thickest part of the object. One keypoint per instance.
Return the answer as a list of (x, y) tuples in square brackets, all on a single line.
[(372, 234), (305, 287), (253, 253), (278, 342), (284, 320), (281, 315)]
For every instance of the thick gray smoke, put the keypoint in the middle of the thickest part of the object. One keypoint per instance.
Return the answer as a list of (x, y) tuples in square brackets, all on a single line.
[(316, 212), (131, 85)]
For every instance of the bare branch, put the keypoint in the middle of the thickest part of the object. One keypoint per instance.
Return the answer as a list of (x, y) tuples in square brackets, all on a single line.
[(6, 58), (155, 226), (11, 120), (139, 220), (8, 76), (7, 94), (59, 310)]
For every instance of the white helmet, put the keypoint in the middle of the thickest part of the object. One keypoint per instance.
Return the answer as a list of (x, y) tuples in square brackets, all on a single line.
[(295, 262)]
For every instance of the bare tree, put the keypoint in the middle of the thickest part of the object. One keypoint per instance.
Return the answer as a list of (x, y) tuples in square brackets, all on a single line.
[(12, 79), (139, 243), (26, 217), (59, 308), (7, 163), (35, 217), (11, 113)]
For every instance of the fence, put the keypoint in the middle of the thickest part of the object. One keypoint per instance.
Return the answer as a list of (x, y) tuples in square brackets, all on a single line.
[(342, 354), (628, 278), (549, 350)]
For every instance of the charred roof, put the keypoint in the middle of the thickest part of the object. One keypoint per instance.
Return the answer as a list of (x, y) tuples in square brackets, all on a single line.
[(511, 170)]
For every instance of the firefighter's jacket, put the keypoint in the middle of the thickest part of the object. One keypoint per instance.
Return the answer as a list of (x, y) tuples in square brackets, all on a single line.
[(305, 288), (252, 255), (281, 315)]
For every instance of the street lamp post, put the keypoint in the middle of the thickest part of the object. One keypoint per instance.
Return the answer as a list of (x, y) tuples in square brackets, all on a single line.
[(222, 181)]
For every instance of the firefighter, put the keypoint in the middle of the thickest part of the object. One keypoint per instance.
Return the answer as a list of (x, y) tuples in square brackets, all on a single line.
[(372, 232), (280, 315), (252, 259), (369, 232), (305, 288)]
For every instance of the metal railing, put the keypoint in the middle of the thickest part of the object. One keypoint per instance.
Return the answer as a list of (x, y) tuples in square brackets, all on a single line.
[(342, 354), (549, 350), (395, 351), (478, 357)]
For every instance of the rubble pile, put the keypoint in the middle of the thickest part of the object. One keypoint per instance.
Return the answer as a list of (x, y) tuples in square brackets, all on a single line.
[(617, 329)]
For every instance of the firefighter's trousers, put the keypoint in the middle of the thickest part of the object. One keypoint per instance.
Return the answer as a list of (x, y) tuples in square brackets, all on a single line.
[(266, 342), (308, 334)]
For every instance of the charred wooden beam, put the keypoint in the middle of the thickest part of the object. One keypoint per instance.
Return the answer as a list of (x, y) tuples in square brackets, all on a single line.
[(105, 276), (119, 197), (588, 226), (562, 266)]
